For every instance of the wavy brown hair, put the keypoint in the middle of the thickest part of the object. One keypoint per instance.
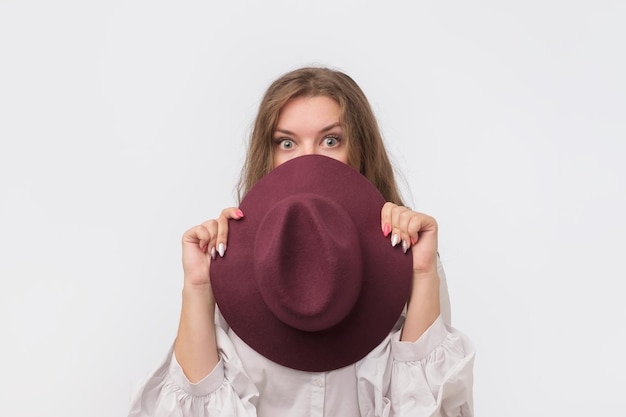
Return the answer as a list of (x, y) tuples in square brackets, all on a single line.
[(366, 150)]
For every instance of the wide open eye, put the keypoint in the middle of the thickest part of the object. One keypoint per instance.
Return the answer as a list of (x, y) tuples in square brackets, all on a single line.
[(331, 141), (285, 144)]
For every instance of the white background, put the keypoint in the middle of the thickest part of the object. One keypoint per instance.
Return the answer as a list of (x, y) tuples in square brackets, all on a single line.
[(123, 123)]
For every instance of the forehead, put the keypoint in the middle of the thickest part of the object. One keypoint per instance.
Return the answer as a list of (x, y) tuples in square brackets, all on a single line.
[(315, 107)]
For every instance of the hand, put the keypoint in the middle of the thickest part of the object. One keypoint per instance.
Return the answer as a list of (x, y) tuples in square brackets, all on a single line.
[(203, 243), (415, 231)]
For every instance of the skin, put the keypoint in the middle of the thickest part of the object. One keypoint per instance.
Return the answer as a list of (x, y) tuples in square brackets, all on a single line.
[(306, 125), (309, 125)]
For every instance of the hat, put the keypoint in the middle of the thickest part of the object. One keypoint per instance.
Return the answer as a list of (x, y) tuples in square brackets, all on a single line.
[(308, 280)]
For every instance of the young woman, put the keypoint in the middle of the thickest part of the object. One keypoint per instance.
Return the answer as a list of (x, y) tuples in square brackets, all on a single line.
[(423, 367)]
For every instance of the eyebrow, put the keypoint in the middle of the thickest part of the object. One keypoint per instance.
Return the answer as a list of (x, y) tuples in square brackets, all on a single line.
[(326, 129)]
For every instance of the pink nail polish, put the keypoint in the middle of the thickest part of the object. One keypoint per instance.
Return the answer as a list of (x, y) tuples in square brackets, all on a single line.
[(386, 230), (239, 213)]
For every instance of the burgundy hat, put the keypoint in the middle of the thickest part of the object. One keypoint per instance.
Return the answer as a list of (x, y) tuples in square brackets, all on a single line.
[(308, 280)]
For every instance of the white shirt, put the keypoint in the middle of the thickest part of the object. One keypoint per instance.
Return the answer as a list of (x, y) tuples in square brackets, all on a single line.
[(432, 376)]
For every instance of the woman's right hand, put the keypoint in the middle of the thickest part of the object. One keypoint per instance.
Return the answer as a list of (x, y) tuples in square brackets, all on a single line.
[(203, 243)]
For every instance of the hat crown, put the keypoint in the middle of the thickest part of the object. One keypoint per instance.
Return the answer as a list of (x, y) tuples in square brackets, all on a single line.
[(308, 262)]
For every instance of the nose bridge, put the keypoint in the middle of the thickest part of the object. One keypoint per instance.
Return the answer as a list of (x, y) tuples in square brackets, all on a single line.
[(308, 147)]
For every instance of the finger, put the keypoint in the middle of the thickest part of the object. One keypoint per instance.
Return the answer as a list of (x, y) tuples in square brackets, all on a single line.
[(222, 227), (405, 220), (385, 218), (424, 229), (414, 227), (421, 223), (400, 217), (427, 224), (198, 235), (211, 227)]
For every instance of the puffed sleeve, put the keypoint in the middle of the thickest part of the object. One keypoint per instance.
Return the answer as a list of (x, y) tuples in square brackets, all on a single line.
[(431, 377), (227, 390)]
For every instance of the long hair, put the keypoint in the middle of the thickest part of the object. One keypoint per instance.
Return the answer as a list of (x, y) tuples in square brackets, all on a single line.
[(366, 150)]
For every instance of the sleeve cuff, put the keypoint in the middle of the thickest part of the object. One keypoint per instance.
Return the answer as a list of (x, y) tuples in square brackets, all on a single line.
[(422, 347), (205, 386)]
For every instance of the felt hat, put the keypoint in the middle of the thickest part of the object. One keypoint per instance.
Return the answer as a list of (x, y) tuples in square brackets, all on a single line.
[(308, 280)]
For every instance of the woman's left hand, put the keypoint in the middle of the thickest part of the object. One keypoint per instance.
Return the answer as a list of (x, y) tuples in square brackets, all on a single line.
[(415, 231)]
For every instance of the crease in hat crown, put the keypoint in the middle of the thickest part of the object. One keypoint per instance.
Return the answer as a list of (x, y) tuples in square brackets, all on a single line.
[(307, 262)]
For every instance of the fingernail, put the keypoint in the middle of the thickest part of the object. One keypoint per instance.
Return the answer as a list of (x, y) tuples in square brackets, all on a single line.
[(221, 249), (212, 253), (395, 239), (239, 213), (405, 246), (413, 241), (386, 230)]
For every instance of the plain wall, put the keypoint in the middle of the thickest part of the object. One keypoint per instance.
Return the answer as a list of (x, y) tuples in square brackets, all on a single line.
[(124, 123)]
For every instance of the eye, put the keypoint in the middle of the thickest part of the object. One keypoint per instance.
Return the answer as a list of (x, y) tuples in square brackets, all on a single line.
[(285, 143), (331, 141)]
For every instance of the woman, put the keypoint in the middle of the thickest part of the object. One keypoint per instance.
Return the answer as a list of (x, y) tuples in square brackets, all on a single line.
[(422, 368)]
